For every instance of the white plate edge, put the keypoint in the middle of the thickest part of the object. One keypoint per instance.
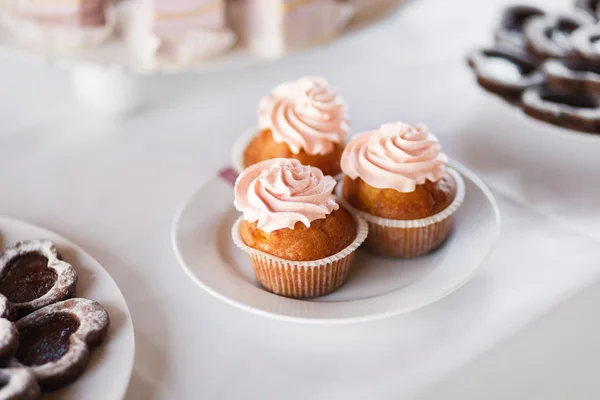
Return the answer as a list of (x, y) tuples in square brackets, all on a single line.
[(72, 244), (343, 320)]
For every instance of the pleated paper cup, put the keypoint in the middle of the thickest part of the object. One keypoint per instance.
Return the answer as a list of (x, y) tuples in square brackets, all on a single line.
[(302, 279), (409, 238)]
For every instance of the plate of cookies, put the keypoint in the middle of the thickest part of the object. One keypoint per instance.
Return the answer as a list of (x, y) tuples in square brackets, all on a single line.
[(65, 329), (547, 64), (308, 228)]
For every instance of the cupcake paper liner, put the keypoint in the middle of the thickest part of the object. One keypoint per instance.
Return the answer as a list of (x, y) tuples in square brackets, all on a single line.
[(57, 37), (302, 279), (409, 238)]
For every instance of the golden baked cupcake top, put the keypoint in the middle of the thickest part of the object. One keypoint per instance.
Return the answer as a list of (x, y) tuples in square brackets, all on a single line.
[(307, 114)]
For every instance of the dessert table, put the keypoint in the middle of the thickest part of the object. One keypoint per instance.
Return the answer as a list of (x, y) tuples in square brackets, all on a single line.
[(113, 184)]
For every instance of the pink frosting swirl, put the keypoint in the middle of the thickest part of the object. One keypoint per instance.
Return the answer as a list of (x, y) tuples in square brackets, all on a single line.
[(305, 114), (397, 156), (280, 192)]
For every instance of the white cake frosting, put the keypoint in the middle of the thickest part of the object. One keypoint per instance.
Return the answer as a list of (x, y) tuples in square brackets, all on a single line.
[(272, 27), (178, 31), (59, 24)]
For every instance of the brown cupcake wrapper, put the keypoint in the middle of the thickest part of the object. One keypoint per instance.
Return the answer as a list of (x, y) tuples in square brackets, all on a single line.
[(300, 282), (407, 242), (409, 238), (302, 279)]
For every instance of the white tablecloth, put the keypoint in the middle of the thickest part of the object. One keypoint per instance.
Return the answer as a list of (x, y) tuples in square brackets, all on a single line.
[(113, 185)]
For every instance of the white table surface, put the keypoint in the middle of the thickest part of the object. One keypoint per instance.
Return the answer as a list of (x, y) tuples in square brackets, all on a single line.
[(113, 185)]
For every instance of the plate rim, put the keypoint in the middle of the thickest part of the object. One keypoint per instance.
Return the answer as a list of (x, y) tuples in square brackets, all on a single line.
[(463, 170), (44, 231)]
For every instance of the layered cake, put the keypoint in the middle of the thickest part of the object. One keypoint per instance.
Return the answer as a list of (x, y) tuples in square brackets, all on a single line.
[(178, 30), (61, 24), (271, 27)]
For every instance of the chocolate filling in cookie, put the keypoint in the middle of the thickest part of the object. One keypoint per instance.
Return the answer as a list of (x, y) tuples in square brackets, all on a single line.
[(570, 110), (506, 73), (56, 340), (47, 341), (32, 276), (26, 278), (512, 23)]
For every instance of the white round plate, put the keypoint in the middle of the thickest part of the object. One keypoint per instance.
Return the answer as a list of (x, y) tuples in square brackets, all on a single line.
[(376, 287), (107, 376)]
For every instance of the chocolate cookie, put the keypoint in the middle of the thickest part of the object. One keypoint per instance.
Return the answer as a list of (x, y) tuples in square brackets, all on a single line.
[(9, 341), (510, 32), (549, 65), (18, 384), (506, 73), (56, 340), (32, 276), (573, 76), (570, 110), (549, 36)]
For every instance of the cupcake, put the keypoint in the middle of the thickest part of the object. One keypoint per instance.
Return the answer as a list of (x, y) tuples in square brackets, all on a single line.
[(305, 120), (398, 181), (301, 243)]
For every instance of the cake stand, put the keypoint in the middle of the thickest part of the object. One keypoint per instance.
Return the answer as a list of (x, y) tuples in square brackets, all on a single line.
[(108, 79)]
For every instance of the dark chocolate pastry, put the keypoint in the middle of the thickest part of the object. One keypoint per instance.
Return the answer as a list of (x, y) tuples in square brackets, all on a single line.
[(506, 73), (32, 276), (577, 111), (510, 32), (18, 384), (9, 341), (586, 43), (56, 340), (589, 6), (573, 76), (549, 36)]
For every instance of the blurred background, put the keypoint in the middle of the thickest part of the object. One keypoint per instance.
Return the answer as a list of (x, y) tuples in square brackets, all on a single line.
[(102, 144)]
